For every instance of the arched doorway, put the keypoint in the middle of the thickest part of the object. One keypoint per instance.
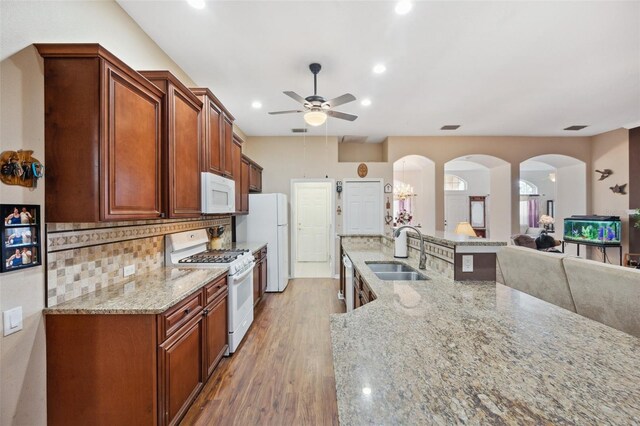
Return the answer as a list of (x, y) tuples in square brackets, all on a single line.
[(555, 186), (414, 191), (482, 182)]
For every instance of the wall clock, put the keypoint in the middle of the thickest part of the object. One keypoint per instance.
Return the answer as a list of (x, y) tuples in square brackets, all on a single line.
[(362, 170)]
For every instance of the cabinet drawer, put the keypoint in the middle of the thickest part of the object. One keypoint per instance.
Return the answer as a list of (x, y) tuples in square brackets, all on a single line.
[(174, 317), (214, 289)]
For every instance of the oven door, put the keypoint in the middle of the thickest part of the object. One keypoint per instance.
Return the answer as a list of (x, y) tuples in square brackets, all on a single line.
[(240, 297), (218, 194)]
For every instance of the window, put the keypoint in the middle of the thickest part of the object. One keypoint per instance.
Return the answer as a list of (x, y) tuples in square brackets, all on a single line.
[(454, 183), (527, 188)]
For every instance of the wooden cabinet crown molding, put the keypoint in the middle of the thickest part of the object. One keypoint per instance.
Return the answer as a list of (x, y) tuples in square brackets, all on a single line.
[(92, 50), (167, 75), (204, 91)]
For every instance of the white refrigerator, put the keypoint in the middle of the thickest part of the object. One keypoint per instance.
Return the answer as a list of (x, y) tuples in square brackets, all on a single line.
[(267, 221)]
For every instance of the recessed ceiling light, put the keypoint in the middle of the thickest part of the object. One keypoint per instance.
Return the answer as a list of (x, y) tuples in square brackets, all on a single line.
[(256, 105), (365, 102), (576, 127), (196, 4), (450, 127), (403, 7), (366, 390), (379, 68)]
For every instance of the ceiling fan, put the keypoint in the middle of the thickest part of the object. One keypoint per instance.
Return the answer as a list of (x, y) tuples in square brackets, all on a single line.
[(316, 108)]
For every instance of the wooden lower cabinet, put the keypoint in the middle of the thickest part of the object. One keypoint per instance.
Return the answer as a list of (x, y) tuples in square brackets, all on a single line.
[(362, 293), (260, 275), (146, 369), (180, 370), (215, 318), (263, 273)]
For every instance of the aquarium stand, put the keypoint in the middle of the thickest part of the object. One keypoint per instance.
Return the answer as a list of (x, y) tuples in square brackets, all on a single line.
[(602, 246)]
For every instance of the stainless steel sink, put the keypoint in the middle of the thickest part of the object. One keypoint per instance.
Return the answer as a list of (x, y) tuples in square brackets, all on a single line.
[(395, 271)]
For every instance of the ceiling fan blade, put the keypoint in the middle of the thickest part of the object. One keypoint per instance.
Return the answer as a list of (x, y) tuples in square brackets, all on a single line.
[(285, 112), (341, 115), (340, 100), (296, 97)]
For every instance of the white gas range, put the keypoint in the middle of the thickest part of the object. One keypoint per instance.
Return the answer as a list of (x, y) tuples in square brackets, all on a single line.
[(189, 249)]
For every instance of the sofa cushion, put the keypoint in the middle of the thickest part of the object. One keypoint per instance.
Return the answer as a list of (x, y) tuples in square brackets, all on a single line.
[(536, 273), (606, 293), (523, 240)]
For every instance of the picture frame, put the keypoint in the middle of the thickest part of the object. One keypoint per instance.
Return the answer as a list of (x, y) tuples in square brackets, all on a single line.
[(388, 189), (20, 244)]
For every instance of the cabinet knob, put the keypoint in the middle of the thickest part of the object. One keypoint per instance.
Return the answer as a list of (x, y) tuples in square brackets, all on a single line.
[(186, 311)]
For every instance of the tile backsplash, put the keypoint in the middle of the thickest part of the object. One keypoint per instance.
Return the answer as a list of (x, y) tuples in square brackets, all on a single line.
[(82, 258)]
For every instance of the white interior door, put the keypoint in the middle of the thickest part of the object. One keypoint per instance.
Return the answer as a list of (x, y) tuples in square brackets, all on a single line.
[(313, 222), (456, 210), (363, 207)]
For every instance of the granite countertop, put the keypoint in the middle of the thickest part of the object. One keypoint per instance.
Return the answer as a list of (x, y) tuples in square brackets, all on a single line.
[(150, 293), (448, 239), (252, 246), (441, 352)]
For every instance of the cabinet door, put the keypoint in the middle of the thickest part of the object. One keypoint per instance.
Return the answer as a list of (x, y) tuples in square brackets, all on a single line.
[(227, 141), (263, 275), (244, 186), (184, 155), (214, 143), (257, 285), (132, 152), (181, 371), (236, 156), (216, 333)]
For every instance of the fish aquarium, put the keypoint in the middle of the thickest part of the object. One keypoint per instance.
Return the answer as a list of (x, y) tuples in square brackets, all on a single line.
[(596, 230)]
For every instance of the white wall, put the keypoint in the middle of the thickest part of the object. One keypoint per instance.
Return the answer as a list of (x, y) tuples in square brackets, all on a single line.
[(22, 355), (499, 203), (571, 199)]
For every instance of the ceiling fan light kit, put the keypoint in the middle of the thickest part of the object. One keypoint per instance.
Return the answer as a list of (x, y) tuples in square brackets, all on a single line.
[(315, 118), (316, 108)]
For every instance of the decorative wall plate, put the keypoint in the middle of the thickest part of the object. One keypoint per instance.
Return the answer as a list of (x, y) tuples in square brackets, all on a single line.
[(362, 170)]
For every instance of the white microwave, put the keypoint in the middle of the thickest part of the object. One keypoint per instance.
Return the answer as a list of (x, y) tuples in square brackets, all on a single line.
[(218, 194)]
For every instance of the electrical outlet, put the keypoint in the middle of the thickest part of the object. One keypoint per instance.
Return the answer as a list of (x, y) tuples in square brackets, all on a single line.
[(467, 263), (129, 270), (12, 320)]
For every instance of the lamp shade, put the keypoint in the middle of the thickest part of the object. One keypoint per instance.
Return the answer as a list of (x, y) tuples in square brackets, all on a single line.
[(315, 118), (464, 228)]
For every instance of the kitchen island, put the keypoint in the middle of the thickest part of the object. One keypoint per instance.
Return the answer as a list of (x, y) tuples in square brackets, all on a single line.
[(445, 352)]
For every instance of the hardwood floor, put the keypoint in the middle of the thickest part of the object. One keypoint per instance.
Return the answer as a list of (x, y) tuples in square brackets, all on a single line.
[(282, 374)]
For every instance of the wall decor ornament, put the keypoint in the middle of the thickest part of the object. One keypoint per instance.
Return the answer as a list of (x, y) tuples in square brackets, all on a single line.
[(388, 188), (363, 170), (604, 173), (619, 189)]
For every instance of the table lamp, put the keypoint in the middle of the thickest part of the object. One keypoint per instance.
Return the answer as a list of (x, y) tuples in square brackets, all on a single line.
[(464, 228)]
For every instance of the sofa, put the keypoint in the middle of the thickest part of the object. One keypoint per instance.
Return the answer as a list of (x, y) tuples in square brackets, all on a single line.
[(609, 294)]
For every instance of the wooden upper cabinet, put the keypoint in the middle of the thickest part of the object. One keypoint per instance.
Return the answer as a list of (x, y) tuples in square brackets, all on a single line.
[(103, 146), (236, 161), (227, 138), (182, 132), (245, 167), (255, 177), (212, 149)]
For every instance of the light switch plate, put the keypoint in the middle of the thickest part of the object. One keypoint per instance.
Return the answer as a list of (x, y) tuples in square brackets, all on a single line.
[(129, 270), (467, 263), (12, 320)]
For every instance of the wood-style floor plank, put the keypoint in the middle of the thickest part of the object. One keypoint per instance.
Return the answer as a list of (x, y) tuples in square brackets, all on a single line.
[(282, 374)]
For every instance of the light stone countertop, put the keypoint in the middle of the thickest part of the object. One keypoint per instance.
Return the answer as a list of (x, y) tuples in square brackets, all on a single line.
[(448, 239), (150, 293), (253, 246), (441, 352)]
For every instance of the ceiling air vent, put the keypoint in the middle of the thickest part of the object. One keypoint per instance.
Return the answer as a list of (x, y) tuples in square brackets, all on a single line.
[(576, 127), (450, 127), (299, 130)]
